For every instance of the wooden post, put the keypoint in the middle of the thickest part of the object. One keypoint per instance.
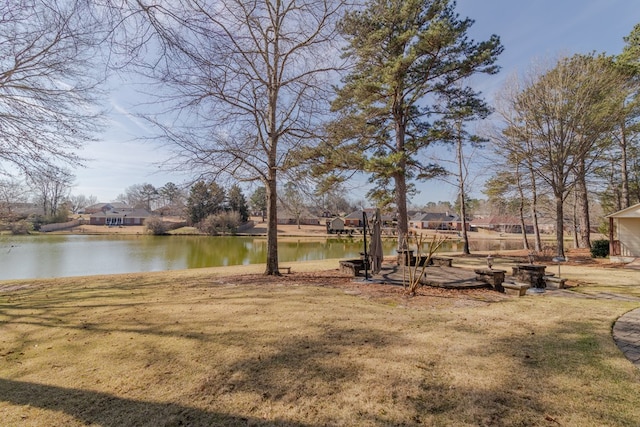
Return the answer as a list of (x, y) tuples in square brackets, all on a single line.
[(364, 233), (611, 244)]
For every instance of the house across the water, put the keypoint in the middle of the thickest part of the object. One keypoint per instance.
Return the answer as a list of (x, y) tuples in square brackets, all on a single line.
[(436, 221), (116, 214)]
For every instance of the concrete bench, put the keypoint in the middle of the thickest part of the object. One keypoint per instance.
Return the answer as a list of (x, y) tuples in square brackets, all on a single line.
[(553, 282), (441, 261), (288, 269), (353, 267), (420, 260), (530, 273), (519, 289), (405, 257), (493, 277)]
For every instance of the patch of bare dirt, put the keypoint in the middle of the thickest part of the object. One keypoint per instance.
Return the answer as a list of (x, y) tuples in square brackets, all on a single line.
[(393, 294), (576, 257)]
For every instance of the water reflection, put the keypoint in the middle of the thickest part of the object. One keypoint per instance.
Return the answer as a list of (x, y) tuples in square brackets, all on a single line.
[(23, 257)]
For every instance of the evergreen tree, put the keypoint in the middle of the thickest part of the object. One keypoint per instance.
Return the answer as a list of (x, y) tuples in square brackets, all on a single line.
[(217, 198), (259, 201), (408, 54), (204, 200), (237, 203), (197, 202)]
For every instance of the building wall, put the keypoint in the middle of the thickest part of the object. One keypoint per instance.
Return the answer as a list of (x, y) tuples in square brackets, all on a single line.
[(118, 221), (629, 236), (336, 224)]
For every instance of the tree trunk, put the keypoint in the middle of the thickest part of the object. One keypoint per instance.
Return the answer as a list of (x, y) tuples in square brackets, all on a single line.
[(624, 173), (559, 225), (272, 163), (636, 180), (534, 212), (400, 177), (617, 194), (574, 221), (272, 225), (465, 235), (401, 204), (463, 206), (523, 226), (582, 207)]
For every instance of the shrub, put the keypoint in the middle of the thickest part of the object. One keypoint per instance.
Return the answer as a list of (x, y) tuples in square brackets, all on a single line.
[(37, 221), (156, 226), (21, 227), (600, 248), (223, 222), (61, 216)]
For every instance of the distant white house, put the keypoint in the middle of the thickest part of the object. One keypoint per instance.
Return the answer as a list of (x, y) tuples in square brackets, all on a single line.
[(624, 234)]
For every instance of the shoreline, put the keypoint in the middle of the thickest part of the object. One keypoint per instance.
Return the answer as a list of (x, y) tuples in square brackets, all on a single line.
[(287, 230)]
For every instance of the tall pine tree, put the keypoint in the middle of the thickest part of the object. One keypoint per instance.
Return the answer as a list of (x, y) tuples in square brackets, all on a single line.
[(407, 54)]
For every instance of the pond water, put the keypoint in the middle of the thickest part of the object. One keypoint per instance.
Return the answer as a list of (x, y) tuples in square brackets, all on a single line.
[(46, 256)]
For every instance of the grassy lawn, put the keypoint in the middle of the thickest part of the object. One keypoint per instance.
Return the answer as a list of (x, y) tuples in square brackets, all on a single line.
[(207, 347)]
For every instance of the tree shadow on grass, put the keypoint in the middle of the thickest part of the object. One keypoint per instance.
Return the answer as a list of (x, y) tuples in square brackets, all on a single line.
[(299, 367), (541, 364), (95, 408)]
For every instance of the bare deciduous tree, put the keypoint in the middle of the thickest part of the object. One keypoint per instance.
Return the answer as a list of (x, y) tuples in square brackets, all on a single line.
[(562, 114), (516, 149), (12, 192), (140, 196), (458, 111), (78, 202), (47, 92), (241, 83), (51, 188)]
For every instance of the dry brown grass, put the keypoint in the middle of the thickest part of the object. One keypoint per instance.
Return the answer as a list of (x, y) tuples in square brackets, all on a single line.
[(207, 347)]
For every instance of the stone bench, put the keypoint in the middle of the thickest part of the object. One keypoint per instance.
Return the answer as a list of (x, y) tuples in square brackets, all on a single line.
[(493, 277), (405, 257), (553, 282), (420, 260), (353, 267), (519, 289), (441, 261), (530, 273)]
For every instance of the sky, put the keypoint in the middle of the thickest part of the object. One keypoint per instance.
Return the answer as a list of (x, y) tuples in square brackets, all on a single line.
[(530, 31)]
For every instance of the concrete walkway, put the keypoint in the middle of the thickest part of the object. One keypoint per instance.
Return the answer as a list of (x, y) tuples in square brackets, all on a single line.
[(626, 330), (626, 334)]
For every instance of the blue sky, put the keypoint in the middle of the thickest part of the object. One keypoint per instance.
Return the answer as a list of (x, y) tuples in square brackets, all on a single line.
[(530, 31)]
